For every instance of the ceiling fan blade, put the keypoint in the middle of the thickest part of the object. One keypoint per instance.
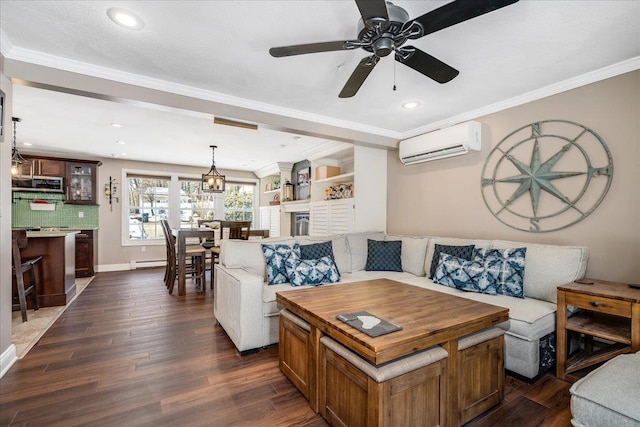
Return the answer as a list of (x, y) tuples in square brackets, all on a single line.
[(426, 64), (358, 76), (301, 49), (372, 9), (455, 12)]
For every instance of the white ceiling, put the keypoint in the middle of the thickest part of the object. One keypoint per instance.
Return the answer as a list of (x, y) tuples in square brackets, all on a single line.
[(220, 49)]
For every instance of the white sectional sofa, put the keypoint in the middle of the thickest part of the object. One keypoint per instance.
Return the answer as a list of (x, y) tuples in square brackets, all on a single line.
[(245, 305)]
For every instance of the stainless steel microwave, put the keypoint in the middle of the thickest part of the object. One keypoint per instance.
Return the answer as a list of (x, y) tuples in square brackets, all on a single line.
[(49, 184)]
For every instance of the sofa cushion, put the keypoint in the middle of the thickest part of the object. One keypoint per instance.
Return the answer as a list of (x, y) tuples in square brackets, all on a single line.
[(528, 318), (464, 252), (414, 250), (310, 271), (462, 274), (276, 258), (384, 255), (248, 254), (340, 248), (503, 270), (358, 248), (449, 241), (549, 266)]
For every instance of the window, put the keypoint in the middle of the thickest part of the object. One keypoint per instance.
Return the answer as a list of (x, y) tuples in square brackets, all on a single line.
[(148, 203), (239, 201), (153, 196), (194, 204)]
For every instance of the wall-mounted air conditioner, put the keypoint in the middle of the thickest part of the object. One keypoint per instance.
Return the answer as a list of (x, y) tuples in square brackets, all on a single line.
[(452, 141)]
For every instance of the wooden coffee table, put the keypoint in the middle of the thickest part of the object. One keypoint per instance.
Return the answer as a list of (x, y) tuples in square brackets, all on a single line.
[(427, 318)]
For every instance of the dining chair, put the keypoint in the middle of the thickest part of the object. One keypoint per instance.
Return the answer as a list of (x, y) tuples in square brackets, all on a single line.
[(194, 255), (237, 229), (19, 268)]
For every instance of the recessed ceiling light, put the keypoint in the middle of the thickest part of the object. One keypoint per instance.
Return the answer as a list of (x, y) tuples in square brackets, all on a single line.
[(410, 105), (116, 125), (27, 144), (123, 154), (125, 18), (121, 142)]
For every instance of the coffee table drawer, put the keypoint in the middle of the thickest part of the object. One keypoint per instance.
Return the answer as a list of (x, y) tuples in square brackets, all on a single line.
[(599, 304)]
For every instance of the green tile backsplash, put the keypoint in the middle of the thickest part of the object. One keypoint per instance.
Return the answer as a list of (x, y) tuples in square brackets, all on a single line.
[(64, 215)]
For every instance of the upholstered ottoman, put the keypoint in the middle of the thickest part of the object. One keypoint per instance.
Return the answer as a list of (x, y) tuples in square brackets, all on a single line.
[(608, 396)]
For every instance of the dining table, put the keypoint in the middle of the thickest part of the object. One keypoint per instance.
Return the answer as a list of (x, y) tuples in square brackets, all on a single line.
[(184, 233)]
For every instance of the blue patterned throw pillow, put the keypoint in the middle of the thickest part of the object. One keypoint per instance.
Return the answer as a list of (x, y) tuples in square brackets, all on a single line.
[(276, 257), (384, 255), (503, 269), (463, 252), (317, 250), (462, 274), (311, 271)]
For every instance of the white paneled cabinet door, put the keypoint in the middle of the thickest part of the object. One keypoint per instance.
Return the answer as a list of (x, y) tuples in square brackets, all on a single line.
[(341, 216), (270, 220), (265, 218), (319, 218), (332, 217), (274, 221)]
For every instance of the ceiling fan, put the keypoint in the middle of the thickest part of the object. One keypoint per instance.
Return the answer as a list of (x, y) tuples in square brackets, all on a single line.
[(385, 28)]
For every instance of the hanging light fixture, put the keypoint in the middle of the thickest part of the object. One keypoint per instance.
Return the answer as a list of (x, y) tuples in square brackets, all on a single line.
[(16, 159), (213, 181)]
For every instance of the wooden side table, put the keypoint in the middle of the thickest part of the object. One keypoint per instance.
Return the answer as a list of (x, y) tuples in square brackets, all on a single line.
[(608, 310)]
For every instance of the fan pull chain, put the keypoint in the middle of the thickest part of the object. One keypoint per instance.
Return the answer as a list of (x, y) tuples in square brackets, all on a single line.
[(394, 71)]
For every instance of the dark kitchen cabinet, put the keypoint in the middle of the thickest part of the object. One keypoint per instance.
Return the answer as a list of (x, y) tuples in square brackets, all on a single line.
[(86, 244), (81, 182), (43, 167)]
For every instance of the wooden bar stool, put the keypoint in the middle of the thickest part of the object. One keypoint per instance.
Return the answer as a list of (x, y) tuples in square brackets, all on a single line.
[(195, 254), (19, 268)]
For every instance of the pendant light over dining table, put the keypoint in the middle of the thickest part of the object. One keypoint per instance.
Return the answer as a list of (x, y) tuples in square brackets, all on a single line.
[(16, 158), (213, 181)]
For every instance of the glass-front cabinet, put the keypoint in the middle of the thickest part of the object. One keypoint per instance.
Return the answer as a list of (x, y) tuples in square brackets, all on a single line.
[(81, 183)]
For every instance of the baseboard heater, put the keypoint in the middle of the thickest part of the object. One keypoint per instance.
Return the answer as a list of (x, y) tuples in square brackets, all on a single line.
[(147, 264)]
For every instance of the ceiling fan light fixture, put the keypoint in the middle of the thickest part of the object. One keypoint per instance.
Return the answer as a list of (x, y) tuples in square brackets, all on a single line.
[(125, 18), (213, 181)]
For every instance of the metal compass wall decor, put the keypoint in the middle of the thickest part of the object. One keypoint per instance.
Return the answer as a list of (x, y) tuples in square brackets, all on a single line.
[(546, 176)]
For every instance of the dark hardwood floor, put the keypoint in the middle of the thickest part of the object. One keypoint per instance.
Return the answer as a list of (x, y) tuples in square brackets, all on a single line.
[(126, 353)]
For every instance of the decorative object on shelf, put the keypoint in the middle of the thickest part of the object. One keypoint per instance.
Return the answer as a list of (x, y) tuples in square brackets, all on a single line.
[(110, 190), (275, 201), (523, 164), (16, 158), (304, 176), (323, 172), (287, 194), (340, 191), (213, 181)]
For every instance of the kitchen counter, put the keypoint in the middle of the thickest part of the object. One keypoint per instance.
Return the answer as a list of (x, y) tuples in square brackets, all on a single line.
[(56, 271)]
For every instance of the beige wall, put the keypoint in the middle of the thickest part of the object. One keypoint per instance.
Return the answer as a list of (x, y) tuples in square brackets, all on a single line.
[(443, 197), (110, 249), (5, 225)]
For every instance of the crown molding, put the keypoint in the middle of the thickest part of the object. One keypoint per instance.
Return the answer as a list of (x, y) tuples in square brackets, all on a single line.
[(5, 44), (52, 61), (563, 86)]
